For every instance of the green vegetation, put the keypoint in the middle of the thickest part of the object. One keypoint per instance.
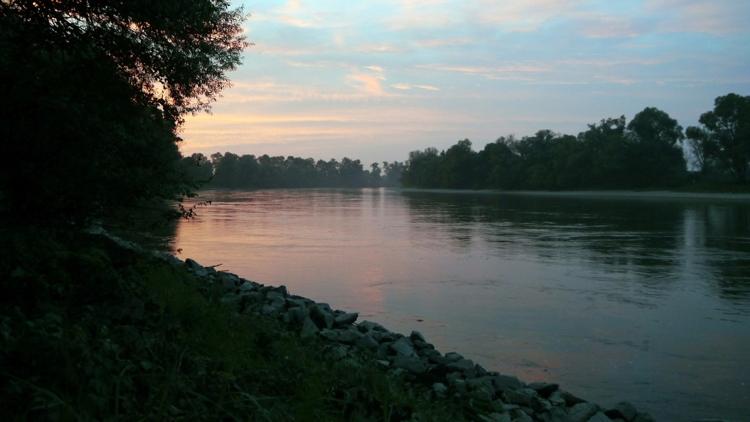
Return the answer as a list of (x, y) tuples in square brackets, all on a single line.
[(613, 154), (89, 330), (93, 93), (247, 171)]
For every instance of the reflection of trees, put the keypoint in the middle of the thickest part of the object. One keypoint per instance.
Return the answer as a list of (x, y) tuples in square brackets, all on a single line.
[(644, 238), (725, 234)]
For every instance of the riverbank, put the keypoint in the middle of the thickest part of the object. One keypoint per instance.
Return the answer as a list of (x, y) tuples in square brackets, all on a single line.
[(605, 194), (196, 342)]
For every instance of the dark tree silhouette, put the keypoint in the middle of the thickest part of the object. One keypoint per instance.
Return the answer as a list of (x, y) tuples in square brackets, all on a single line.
[(93, 93), (724, 138)]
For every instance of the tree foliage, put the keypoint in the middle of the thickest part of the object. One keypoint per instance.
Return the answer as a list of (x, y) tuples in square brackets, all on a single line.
[(611, 154), (230, 170), (722, 143), (94, 92)]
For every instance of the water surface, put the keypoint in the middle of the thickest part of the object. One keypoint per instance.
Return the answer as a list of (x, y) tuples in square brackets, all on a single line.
[(644, 298)]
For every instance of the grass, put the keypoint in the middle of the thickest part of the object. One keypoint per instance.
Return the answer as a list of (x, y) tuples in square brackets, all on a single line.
[(90, 331)]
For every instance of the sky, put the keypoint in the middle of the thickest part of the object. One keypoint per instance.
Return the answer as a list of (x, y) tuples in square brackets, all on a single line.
[(375, 80)]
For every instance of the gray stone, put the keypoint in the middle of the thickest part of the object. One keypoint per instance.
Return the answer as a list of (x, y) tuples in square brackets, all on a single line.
[(321, 317), (582, 412), (570, 399), (410, 364), (336, 352), (453, 357), (416, 335), (309, 328), (643, 417), (296, 315), (346, 336), (495, 417), (345, 319), (440, 389), (622, 410), (274, 295), (368, 326), (544, 388), (403, 347), (461, 365), (367, 342), (599, 417), (504, 383), (556, 399), (556, 414), (521, 416), (521, 397)]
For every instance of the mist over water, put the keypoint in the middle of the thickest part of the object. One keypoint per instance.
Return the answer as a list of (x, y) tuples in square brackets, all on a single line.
[(614, 297)]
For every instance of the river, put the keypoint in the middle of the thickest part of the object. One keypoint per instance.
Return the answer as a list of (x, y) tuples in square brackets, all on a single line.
[(638, 297)]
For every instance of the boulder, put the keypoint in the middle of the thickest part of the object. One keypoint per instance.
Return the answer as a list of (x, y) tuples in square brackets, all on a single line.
[(504, 383), (495, 417), (417, 336), (296, 315), (403, 347), (309, 328), (368, 326), (462, 365), (346, 336), (622, 410), (410, 364), (453, 357), (582, 412), (543, 388), (367, 342), (321, 317), (344, 319), (440, 389), (521, 396), (599, 417)]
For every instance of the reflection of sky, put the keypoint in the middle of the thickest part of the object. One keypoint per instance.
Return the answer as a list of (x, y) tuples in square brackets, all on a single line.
[(375, 80), (647, 301)]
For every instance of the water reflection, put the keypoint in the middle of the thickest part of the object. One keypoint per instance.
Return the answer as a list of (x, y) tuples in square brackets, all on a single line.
[(616, 298)]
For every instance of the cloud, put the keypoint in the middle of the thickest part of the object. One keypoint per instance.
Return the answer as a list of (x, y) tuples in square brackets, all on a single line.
[(716, 17), (407, 87), (367, 83), (505, 72)]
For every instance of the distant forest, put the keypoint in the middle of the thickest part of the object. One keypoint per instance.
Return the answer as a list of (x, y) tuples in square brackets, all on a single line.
[(230, 170), (647, 152)]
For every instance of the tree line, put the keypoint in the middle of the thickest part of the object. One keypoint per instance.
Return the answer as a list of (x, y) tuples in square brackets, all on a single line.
[(646, 152), (247, 171)]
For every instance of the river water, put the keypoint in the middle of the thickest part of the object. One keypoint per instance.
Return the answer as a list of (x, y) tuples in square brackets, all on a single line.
[(638, 297)]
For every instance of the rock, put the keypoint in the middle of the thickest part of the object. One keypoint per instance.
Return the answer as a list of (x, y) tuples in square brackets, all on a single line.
[(453, 357), (336, 352), (570, 399), (367, 342), (622, 410), (403, 347), (461, 365), (345, 319), (296, 315), (543, 388), (369, 326), (521, 416), (540, 405), (229, 281), (440, 389), (521, 397), (321, 317), (247, 287), (416, 335), (410, 364), (504, 383), (556, 399), (495, 417), (599, 417), (309, 328), (556, 414), (643, 417), (274, 295), (582, 412), (346, 336)]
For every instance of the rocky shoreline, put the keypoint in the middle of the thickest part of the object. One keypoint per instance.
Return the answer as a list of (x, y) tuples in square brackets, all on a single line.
[(412, 356)]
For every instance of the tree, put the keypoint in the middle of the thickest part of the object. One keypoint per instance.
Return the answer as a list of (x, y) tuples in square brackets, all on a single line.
[(93, 94), (655, 155), (725, 135)]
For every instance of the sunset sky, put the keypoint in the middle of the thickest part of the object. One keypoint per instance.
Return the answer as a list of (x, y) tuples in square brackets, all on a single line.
[(377, 79)]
